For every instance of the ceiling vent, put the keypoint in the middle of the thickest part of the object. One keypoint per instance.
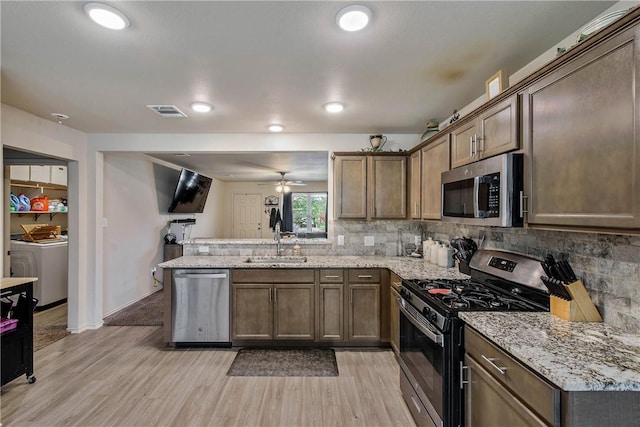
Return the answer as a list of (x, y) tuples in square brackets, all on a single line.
[(167, 110)]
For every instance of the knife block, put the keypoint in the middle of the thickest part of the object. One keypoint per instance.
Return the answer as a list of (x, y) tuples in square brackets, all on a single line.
[(579, 309)]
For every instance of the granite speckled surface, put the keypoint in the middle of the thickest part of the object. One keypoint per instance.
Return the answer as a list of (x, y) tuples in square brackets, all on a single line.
[(267, 242), (575, 356), (405, 267)]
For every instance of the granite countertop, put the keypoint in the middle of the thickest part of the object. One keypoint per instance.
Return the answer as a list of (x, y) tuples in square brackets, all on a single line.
[(575, 356), (270, 242), (405, 267)]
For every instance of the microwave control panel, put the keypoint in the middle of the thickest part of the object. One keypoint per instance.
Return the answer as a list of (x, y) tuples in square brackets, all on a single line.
[(489, 195)]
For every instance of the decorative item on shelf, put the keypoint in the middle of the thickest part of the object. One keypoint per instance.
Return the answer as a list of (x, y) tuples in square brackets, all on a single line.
[(377, 142), (560, 51), (495, 84), (433, 127), (454, 116), (600, 23)]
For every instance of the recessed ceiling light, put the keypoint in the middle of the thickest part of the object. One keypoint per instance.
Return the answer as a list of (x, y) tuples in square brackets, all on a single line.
[(276, 128), (201, 107), (353, 18), (334, 107), (106, 16)]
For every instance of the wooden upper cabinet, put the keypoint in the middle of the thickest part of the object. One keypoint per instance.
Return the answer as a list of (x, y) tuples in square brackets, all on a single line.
[(494, 131), (581, 134), (462, 144), (435, 160), (370, 187), (415, 177), (350, 183), (388, 187)]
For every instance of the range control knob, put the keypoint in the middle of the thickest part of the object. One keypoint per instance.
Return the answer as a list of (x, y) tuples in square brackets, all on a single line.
[(405, 294), (433, 317), (426, 311)]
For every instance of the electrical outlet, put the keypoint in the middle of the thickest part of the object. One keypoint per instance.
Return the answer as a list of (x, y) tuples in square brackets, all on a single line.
[(340, 240), (368, 241), (203, 249), (153, 271), (417, 240)]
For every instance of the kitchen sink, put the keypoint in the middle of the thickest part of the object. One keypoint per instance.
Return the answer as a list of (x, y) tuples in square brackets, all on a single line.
[(276, 259)]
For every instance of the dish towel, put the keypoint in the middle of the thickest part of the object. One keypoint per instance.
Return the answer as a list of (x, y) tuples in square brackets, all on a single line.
[(272, 219)]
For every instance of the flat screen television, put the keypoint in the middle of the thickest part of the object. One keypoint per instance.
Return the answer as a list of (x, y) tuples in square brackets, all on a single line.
[(191, 192)]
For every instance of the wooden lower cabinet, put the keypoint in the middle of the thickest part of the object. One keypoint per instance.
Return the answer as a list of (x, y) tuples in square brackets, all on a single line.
[(364, 312), (294, 313), (252, 312), (331, 312)]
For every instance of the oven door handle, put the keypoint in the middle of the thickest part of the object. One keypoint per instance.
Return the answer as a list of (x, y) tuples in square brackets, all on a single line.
[(435, 337)]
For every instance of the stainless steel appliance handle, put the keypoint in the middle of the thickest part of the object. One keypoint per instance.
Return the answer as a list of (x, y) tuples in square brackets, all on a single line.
[(476, 190), (436, 338), (201, 276)]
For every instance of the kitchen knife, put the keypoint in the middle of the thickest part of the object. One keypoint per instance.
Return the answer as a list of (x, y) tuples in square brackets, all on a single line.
[(569, 271)]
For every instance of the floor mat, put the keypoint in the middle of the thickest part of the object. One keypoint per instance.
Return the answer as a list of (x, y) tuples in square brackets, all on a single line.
[(45, 335), (146, 312), (284, 362)]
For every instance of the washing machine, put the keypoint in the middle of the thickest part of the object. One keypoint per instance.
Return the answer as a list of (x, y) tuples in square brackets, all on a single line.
[(46, 261)]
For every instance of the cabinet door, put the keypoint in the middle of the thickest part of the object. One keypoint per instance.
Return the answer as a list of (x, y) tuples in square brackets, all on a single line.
[(350, 183), (462, 148), (415, 171), (294, 311), (19, 173), (499, 128), (582, 140), (489, 403), (364, 312), (40, 173), (388, 187), (331, 312), (58, 175), (435, 160), (252, 312)]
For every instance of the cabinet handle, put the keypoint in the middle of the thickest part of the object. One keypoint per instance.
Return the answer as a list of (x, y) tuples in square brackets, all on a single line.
[(523, 210), (490, 361), (364, 276), (270, 296), (275, 295), (331, 277), (471, 146), (418, 408), (462, 380), (351, 297), (480, 144)]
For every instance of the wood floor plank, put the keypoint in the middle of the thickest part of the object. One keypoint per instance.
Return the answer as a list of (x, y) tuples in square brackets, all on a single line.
[(123, 376)]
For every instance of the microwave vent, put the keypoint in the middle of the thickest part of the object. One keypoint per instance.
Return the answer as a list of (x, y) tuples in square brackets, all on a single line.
[(167, 111)]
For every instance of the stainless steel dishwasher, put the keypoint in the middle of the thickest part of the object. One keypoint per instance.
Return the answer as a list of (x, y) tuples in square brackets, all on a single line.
[(200, 307)]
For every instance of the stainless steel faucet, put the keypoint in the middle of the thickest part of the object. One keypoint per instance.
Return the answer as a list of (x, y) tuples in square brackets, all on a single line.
[(278, 240)]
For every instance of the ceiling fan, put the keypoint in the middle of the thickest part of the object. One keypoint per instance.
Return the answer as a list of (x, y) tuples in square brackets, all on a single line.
[(284, 186)]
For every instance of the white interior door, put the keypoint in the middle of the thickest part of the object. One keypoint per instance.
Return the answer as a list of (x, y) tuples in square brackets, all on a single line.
[(247, 216)]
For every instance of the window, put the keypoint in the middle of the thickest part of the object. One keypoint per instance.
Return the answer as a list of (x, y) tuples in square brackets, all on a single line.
[(309, 214)]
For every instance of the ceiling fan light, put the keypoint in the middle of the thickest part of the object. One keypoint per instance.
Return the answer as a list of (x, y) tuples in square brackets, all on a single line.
[(353, 18), (275, 128), (107, 16), (334, 107)]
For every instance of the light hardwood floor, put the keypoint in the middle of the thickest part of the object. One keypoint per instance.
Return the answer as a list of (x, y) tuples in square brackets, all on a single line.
[(120, 376), (52, 316)]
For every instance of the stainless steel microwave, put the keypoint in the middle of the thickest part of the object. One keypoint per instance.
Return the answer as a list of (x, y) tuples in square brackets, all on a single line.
[(487, 192)]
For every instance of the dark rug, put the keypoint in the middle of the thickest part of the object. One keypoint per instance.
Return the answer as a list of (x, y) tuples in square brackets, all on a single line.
[(146, 312), (284, 362), (45, 335)]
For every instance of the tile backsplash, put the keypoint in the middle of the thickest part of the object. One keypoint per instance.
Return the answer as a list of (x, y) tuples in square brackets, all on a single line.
[(609, 265)]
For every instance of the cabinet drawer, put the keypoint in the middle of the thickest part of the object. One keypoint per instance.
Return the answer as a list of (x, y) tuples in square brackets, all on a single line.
[(265, 275), (539, 395), (364, 275), (331, 276)]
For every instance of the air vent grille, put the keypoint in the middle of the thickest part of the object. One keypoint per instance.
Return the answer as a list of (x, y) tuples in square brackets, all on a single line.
[(167, 110)]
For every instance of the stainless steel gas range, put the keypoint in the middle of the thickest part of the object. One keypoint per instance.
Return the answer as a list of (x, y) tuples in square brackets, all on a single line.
[(431, 334)]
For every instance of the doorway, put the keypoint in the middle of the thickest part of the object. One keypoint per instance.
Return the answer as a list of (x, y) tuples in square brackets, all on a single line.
[(247, 216)]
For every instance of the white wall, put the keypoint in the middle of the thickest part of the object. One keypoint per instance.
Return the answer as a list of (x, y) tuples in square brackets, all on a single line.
[(27, 132)]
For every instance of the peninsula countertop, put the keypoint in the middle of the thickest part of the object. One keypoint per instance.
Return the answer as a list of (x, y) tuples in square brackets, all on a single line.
[(575, 356), (405, 267)]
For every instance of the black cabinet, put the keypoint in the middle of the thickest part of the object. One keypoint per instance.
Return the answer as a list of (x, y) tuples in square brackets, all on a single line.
[(17, 344)]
